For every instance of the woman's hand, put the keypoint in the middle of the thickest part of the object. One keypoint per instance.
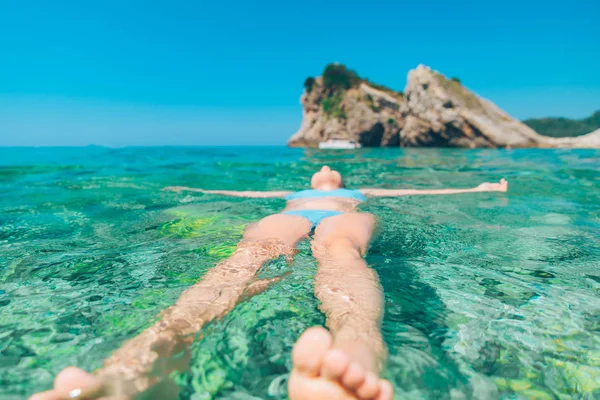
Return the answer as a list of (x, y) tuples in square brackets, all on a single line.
[(502, 186)]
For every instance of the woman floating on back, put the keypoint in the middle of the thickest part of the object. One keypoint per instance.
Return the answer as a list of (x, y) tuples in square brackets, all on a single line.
[(339, 364)]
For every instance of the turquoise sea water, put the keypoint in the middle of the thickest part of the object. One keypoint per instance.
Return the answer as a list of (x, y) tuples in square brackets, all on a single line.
[(488, 295)]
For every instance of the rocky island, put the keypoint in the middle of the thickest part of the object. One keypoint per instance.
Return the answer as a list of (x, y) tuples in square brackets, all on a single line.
[(432, 111)]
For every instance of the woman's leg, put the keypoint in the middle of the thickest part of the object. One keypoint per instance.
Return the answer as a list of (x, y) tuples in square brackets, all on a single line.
[(350, 294), (144, 360), (345, 363)]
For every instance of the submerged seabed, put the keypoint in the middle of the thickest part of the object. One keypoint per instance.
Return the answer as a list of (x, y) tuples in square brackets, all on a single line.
[(487, 295)]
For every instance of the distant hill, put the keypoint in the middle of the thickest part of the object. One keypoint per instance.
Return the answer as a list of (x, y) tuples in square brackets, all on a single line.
[(431, 111), (564, 127)]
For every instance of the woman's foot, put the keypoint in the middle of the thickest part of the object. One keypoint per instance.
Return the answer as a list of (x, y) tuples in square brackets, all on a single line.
[(74, 383), (321, 372)]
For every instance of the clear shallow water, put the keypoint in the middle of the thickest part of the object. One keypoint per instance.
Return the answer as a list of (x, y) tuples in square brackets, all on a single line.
[(487, 295)]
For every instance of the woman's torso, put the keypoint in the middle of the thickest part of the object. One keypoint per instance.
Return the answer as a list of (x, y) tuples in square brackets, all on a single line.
[(341, 200), (330, 204)]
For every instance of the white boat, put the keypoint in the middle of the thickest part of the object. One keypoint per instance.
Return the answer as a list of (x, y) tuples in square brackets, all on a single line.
[(339, 144)]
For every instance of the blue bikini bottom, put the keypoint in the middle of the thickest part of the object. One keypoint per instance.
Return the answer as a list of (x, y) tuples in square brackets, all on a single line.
[(314, 216)]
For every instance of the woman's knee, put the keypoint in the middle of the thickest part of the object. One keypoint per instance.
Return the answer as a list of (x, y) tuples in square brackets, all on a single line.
[(338, 246), (342, 242)]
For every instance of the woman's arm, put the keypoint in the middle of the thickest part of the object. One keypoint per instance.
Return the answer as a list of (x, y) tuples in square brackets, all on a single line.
[(502, 186), (234, 193)]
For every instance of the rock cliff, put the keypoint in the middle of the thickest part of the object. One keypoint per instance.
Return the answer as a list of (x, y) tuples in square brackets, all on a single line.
[(361, 113), (432, 111)]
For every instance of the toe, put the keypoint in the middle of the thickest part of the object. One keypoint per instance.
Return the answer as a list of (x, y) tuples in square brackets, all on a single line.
[(73, 381), (386, 391), (370, 387), (71, 376), (335, 364), (310, 350), (353, 377)]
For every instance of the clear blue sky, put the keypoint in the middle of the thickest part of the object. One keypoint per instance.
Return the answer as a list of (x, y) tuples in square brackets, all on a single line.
[(231, 72)]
